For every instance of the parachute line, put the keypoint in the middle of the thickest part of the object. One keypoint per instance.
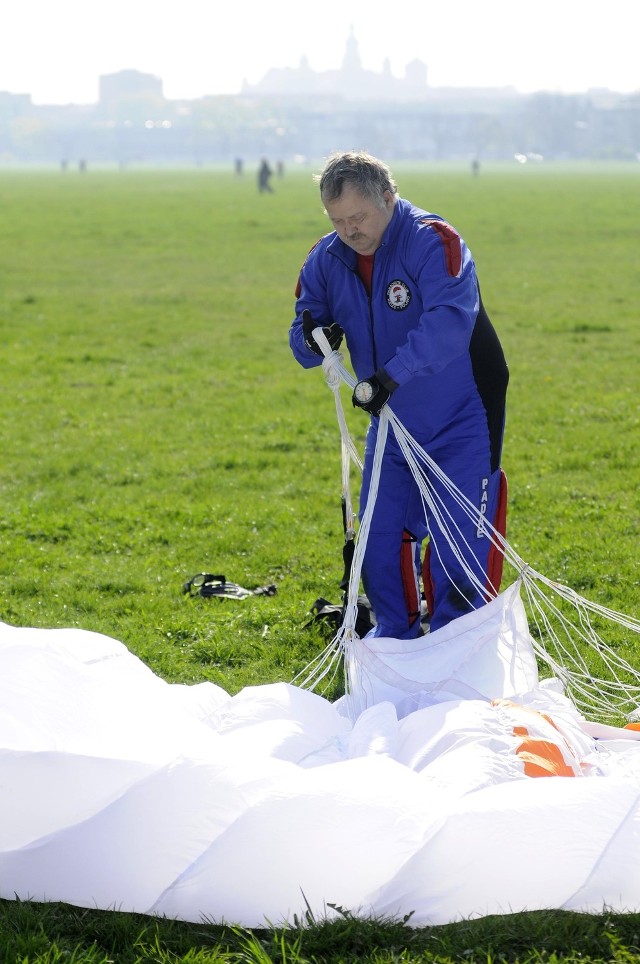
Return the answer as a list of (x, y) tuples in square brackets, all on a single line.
[(563, 635)]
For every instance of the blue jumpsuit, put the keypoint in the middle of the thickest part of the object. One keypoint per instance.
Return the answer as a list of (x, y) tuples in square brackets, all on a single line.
[(425, 324)]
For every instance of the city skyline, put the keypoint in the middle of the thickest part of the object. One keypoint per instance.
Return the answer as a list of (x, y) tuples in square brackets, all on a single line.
[(56, 51)]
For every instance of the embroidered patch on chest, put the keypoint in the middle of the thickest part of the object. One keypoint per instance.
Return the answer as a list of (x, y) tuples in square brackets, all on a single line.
[(398, 295)]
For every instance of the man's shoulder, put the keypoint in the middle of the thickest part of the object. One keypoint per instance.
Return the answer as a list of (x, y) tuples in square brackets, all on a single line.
[(319, 247), (425, 234), (412, 220)]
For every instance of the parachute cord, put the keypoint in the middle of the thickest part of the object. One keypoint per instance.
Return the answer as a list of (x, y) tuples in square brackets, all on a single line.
[(415, 455), (351, 611), (335, 373), (325, 666), (614, 692), (442, 516), (333, 369)]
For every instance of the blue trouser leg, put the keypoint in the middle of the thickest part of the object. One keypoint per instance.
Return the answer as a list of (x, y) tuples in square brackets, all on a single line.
[(466, 462), (454, 592)]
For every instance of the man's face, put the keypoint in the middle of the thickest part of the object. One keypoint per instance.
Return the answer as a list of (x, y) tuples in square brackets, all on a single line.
[(359, 221)]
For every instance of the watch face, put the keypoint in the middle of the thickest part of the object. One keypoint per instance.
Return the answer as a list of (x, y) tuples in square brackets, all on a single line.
[(364, 392)]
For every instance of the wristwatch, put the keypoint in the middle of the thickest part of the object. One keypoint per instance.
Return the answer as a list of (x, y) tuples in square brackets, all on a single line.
[(364, 391)]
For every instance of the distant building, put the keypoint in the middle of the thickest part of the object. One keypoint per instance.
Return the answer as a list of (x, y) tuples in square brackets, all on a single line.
[(14, 105), (125, 84), (301, 113), (351, 82)]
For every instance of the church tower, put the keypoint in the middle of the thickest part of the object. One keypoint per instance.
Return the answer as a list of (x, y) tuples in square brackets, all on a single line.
[(352, 65)]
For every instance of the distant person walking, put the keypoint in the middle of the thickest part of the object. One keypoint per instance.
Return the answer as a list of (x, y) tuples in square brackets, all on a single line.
[(264, 177)]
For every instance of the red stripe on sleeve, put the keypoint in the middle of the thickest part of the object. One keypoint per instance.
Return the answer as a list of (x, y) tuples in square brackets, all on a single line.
[(451, 243)]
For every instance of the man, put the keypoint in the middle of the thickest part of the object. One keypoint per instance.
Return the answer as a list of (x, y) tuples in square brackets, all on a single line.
[(264, 177), (400, 285)]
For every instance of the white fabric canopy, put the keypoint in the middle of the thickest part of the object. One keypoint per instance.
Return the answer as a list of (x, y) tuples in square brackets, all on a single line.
[(408, 797)]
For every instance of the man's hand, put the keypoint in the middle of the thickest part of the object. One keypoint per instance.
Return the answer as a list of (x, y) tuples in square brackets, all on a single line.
[(333, 333), (374, 392)]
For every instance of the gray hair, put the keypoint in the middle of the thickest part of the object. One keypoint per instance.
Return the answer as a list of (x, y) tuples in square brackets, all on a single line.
[(368, 175)]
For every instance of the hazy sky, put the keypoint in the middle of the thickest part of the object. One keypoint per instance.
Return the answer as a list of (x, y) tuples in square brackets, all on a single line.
[(55, 50)]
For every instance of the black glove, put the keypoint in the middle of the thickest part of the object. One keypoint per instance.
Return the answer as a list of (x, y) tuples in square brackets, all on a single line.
[(333, 333), (373, 392)]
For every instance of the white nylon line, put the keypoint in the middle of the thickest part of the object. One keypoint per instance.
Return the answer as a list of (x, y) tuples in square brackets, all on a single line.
[(620, 694)]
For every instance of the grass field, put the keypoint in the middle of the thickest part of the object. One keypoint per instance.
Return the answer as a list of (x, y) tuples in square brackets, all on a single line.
[(153, 424)]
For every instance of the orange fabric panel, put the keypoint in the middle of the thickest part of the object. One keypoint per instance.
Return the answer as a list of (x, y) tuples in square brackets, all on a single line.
[(541, 758)]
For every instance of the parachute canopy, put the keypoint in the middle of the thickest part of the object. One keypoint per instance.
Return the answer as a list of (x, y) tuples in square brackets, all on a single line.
[(478, 789), (451, 781)]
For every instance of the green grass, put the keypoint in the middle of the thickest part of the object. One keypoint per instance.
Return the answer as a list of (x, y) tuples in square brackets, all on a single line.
[(153, 424), (59, 934)]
